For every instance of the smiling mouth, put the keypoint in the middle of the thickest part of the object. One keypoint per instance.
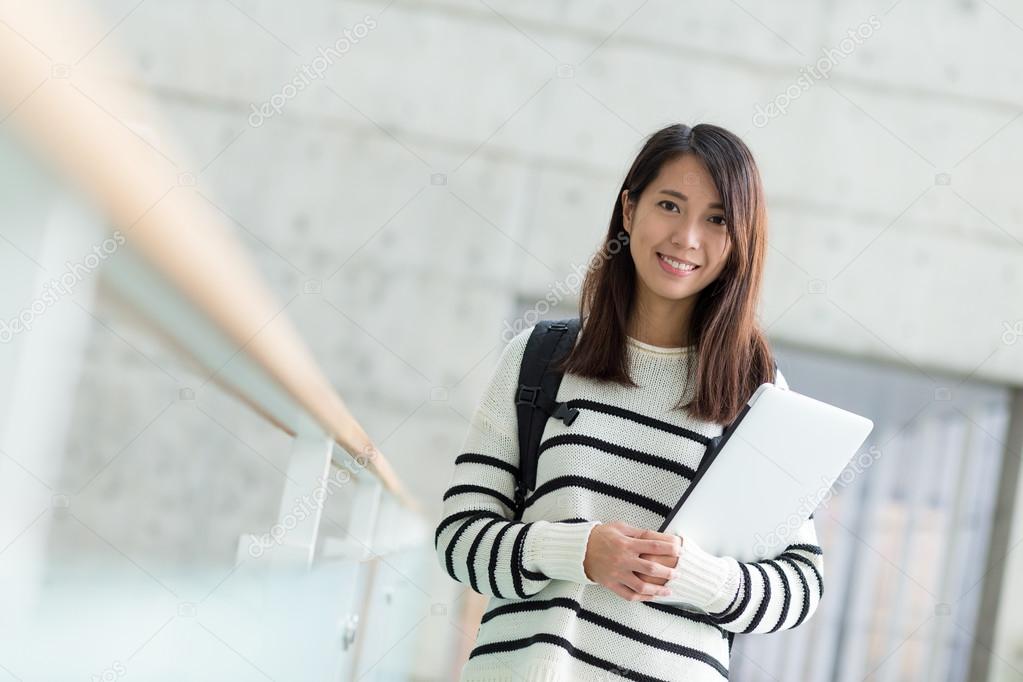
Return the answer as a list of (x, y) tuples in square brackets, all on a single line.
[(677, 265)]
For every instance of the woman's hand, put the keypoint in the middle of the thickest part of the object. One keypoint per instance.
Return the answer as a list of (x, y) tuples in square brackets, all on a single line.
[(668, 560), (628, 560)]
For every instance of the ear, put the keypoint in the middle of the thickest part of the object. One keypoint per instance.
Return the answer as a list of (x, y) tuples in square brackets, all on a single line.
[(626, 212)]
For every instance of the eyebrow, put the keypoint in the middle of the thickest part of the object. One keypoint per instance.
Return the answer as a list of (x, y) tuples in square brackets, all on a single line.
[(683, 197)]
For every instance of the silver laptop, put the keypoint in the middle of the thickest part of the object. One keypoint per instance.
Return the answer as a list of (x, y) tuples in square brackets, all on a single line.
[(771, 467)]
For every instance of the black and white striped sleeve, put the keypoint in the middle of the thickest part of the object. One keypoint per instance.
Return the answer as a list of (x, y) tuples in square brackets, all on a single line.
[(477, 541), (758, 596)]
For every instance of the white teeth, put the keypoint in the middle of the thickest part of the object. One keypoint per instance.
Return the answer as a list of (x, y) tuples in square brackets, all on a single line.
[(679, 265)]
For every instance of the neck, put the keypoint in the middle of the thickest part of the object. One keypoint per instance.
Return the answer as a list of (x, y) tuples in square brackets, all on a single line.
[(663, 323)]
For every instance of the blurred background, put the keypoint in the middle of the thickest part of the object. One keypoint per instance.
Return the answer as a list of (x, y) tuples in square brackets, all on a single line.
[(195, 194)]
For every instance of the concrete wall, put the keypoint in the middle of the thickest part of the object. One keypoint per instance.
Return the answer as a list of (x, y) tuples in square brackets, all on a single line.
[(462, 157)]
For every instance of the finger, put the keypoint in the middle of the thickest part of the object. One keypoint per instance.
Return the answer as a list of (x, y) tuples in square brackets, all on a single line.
[(631, 595), (628, 530), (626, 588), (643, 587), (653, 568), (654, 547), (664, 559), (674, 538), (624, 592), (651, 579)]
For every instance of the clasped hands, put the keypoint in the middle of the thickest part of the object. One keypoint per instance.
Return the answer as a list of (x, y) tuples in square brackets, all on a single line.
[(635, 563)]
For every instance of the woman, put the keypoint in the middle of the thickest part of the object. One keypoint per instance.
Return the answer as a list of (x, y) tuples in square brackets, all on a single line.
[(668, 352)]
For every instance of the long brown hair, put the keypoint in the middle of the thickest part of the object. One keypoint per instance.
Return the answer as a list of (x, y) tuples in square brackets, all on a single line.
[(732, 355)]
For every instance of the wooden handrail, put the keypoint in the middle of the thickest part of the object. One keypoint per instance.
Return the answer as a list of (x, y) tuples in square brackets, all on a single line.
[(142, 193)]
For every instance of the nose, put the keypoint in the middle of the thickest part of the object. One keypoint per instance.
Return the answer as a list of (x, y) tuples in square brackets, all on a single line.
[(688, 234)]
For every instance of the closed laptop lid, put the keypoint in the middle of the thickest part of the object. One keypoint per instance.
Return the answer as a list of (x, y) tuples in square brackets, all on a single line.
[(775, 464)]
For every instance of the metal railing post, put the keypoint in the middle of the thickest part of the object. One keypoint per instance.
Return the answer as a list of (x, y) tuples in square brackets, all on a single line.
[(301, 508)]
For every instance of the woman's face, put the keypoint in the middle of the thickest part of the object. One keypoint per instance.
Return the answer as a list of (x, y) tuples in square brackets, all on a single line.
[(677, 222)]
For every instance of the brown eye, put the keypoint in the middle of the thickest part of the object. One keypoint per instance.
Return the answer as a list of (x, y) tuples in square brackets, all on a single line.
[(670, 204)]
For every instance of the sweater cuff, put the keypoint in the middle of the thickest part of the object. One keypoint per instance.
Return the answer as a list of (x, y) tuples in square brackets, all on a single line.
[(557, 549), (705, 581)]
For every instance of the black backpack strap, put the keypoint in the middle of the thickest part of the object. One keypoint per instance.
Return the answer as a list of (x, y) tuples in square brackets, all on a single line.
[(535, 401)]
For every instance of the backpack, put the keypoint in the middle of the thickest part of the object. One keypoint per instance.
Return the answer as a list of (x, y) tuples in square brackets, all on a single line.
[(535, 403), (535, 400)]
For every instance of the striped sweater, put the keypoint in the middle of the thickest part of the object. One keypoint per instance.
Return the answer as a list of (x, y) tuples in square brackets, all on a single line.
[(628, 456)]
